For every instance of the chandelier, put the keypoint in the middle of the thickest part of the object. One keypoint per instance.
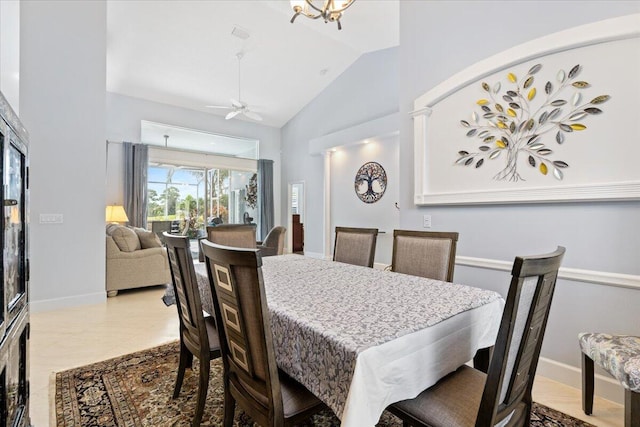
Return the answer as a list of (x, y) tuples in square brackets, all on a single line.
[(331, 10)]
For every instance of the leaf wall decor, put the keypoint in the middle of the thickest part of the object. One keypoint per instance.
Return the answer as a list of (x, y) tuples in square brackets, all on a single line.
[(530, 120)]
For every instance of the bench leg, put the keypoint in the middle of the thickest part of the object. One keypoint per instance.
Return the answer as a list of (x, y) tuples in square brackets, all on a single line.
[(631, 408), (587, 384)]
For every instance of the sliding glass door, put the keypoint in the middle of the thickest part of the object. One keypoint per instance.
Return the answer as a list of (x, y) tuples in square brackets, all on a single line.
[(187, 199)]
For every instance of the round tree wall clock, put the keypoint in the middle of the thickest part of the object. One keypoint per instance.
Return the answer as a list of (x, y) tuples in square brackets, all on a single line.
[(371, 182)]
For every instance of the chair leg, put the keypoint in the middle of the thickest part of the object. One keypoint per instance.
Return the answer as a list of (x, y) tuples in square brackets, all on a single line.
[(229, 405), (185, 361), (587, 384), (631, 408), (203, 385)]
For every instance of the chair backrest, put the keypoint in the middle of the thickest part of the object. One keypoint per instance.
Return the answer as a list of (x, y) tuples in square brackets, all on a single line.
[(234, 235), (355, 245), (430, 254), (251, 373), (275, 239), (193, 331), (160, 227), (513, 365)]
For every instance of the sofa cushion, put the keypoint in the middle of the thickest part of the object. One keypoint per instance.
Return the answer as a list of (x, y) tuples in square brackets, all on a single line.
[(148, 239), (126, 239)]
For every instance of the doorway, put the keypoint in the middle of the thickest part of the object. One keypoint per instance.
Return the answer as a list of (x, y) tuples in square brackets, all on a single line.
[(295, 217)]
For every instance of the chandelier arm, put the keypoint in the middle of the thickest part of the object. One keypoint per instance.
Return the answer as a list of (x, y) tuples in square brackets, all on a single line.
[(322, 11)]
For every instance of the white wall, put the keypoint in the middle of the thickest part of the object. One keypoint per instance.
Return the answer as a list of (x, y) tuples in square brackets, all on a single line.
[(10, 52), (347, 210), (124, 114), (368, 90), (62, 105), (439, 39)]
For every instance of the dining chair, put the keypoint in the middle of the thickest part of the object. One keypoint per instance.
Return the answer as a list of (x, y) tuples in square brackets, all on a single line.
[(273, 243), (619, 355), (198, 333), (251, 377), (355, 246), (430, 254), (468, 397), (234, 235)]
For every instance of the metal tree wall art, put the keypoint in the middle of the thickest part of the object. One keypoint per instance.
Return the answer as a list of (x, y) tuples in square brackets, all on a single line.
[(510, 130), (371, 182)]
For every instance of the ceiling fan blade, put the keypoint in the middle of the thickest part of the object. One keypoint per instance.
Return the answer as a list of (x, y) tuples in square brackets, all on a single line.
[(232, 114), (218, 106), (237, 103), (252, 115)]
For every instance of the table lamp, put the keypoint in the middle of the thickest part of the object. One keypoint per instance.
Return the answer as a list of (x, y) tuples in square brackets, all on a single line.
[(115, 214)]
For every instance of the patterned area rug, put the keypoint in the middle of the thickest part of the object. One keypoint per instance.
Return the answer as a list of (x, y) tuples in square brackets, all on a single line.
[(135, 390)]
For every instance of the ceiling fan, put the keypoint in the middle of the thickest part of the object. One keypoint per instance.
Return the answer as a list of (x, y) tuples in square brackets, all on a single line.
[(237, 106)]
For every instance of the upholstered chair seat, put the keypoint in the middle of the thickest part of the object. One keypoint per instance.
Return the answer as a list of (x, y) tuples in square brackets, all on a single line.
[(619, 355)]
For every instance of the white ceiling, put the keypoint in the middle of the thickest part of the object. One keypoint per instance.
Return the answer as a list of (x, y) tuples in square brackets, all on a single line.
[(183, 53)]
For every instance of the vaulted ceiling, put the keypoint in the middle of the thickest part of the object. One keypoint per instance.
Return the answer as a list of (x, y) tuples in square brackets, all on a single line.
[(183, 53)]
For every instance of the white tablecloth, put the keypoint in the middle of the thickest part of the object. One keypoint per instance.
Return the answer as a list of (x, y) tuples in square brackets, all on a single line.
[(361, 339)]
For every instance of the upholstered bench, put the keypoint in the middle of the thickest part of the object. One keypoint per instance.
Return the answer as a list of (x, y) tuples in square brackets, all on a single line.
[(619, 355)]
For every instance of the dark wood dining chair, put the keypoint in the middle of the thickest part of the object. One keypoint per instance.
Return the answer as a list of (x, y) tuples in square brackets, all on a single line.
[(198, 333), (355, 246), (251, 377), (468, 397), (234, 235), (430, 254)]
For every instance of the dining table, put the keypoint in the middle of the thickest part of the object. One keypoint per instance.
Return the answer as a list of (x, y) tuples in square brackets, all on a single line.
[(362, 338)]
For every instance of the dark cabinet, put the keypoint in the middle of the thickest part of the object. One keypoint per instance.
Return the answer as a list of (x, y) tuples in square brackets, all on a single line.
[(298, 234), (14, 295)]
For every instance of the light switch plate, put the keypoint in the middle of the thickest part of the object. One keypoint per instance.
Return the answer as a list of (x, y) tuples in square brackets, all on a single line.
[(426, 221), (51, 219)]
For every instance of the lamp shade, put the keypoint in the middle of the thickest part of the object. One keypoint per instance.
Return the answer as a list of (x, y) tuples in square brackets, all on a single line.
[(116, 213)]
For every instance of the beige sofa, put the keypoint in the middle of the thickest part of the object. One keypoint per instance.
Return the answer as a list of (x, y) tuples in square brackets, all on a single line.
[(135, 258)]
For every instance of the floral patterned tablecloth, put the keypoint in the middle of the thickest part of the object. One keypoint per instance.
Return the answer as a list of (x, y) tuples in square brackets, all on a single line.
[(324, 314)]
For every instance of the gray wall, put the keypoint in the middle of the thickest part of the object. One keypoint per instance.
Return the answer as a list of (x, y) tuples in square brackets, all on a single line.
[(439, 39), (124, 114), (366, 91), (62, 104)]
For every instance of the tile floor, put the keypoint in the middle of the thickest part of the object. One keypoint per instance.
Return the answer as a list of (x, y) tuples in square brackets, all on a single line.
[(137, 319)]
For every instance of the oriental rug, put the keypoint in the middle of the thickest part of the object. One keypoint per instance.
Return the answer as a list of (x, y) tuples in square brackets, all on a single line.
[(135, 390)]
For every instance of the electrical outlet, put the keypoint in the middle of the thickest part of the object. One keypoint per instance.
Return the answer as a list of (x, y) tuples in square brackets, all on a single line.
[(426, 221)]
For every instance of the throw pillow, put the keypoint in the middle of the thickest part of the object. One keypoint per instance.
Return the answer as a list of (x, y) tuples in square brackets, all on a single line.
[(126, 239), (148, 239)]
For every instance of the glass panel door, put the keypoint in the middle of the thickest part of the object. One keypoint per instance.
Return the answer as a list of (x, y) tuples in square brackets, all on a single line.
[(14, 241)]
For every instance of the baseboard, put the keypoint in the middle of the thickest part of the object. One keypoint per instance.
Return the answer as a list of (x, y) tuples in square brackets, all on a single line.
[(605, 387), (66, 302), (317, 255)]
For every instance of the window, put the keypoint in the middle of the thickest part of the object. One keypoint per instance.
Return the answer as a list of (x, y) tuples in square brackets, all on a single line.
[(198, 178), (193, 197)]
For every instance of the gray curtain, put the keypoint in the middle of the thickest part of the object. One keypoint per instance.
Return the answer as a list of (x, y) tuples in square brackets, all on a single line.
[(265, 197), (136, 158)]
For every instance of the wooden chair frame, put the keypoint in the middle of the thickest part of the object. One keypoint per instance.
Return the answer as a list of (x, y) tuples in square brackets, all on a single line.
[(516, 402), (197, 333)]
